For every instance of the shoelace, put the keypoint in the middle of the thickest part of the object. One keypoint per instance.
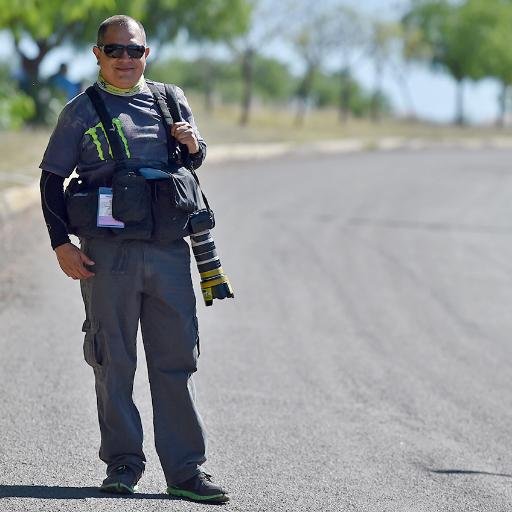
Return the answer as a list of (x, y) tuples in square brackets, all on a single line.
[(205, 476)]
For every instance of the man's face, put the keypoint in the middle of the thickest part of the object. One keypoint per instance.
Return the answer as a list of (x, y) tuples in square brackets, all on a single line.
[(125, 71)]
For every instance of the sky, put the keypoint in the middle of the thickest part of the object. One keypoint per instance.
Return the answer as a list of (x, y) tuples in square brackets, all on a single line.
[(432, 93)]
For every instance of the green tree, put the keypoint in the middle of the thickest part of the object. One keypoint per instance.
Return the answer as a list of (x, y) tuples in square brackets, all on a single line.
[(51, 23), (15, 107), (349, 44), (449, 36), (494, 55), (273, 81), (187, 74), (313, 39), (204, 76), (382, 39), (47, 24), (266, 23), (325, 92)]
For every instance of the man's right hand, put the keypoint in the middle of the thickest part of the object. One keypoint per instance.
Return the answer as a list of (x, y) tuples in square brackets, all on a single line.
[(72, 261)]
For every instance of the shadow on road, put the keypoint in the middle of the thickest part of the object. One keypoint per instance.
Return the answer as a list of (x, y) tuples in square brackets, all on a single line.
[(56, 492), (465, 472)]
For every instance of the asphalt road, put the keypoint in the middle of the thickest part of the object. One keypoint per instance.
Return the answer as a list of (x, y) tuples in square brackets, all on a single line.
[(363, 366)]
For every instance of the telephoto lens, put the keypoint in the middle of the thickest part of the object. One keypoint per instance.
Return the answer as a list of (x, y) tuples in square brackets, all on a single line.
[(214, 283)]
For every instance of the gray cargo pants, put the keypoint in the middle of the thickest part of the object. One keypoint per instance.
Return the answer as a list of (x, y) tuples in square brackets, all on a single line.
[(150, 282)]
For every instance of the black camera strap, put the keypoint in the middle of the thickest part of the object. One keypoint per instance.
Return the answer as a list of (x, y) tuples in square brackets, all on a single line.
[(106, 121), (170, 111)]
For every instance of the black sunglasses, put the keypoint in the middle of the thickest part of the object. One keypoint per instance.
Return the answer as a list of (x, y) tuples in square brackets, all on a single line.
[(116, 51)]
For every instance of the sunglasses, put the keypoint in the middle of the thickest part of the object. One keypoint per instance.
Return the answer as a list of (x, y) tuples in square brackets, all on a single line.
[(116, 51)]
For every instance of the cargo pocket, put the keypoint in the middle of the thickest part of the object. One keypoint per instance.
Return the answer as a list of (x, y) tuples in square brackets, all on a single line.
[(131, 204), (93, 344), (82, 210), (131, 198)]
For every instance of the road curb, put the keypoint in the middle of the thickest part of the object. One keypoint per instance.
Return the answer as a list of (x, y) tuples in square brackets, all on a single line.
[(16, 199)]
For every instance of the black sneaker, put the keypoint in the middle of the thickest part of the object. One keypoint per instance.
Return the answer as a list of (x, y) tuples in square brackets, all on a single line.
[(121, 480), (199, 488)]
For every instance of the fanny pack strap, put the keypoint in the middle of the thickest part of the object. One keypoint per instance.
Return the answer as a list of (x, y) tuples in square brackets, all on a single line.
[(170, 110), (108, 125)]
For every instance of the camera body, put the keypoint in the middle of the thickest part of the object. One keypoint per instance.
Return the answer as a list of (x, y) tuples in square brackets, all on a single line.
[(201, 220)]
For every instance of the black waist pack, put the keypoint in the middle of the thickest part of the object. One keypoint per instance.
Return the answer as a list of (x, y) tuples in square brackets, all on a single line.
[(82, 210), (131, 204)]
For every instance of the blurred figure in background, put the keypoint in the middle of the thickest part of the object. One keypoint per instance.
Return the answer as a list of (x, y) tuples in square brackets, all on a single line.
[(61, 82)]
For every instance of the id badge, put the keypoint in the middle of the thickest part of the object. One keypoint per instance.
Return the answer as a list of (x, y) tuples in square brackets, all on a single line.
[(105, 219)]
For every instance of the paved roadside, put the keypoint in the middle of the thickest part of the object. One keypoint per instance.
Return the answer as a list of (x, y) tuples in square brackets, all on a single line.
[(18, 198), (364, 365)]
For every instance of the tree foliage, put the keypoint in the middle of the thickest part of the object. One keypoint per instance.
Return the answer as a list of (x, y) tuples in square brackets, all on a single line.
[(273, 81), (494, 55), (313, 39), (349, 44), (15, 107), (450, 36), (51, 23), (249, 45), (361, 103), (468, 39)]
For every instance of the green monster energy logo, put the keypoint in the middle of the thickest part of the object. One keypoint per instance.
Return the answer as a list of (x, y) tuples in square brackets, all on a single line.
[(93, 133)]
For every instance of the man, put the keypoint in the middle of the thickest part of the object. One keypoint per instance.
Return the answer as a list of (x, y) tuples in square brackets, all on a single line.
[(123, 282)]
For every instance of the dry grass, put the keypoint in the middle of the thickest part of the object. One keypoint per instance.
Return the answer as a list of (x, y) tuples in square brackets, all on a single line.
[(221, 126), (22, 151)]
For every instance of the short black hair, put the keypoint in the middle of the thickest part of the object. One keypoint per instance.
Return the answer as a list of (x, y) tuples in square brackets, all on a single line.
[(121, 20)]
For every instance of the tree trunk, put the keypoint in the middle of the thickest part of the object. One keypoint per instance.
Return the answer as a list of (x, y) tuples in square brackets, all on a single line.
[(30, 82), (208, 95), (304, 93), (406, 92), (502, 101), (345, 95), (459, 103), (377, 94), (208, 78), (247, 80)]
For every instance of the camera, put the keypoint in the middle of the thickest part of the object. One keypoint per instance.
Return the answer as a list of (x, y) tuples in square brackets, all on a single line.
[(202, 220)]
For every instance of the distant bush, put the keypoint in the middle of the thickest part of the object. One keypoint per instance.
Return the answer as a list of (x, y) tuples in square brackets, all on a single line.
[(273, 84), (327, 92), (15, 106)]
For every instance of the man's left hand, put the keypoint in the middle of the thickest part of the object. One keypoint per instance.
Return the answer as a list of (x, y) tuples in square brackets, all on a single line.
[(185, 134)]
